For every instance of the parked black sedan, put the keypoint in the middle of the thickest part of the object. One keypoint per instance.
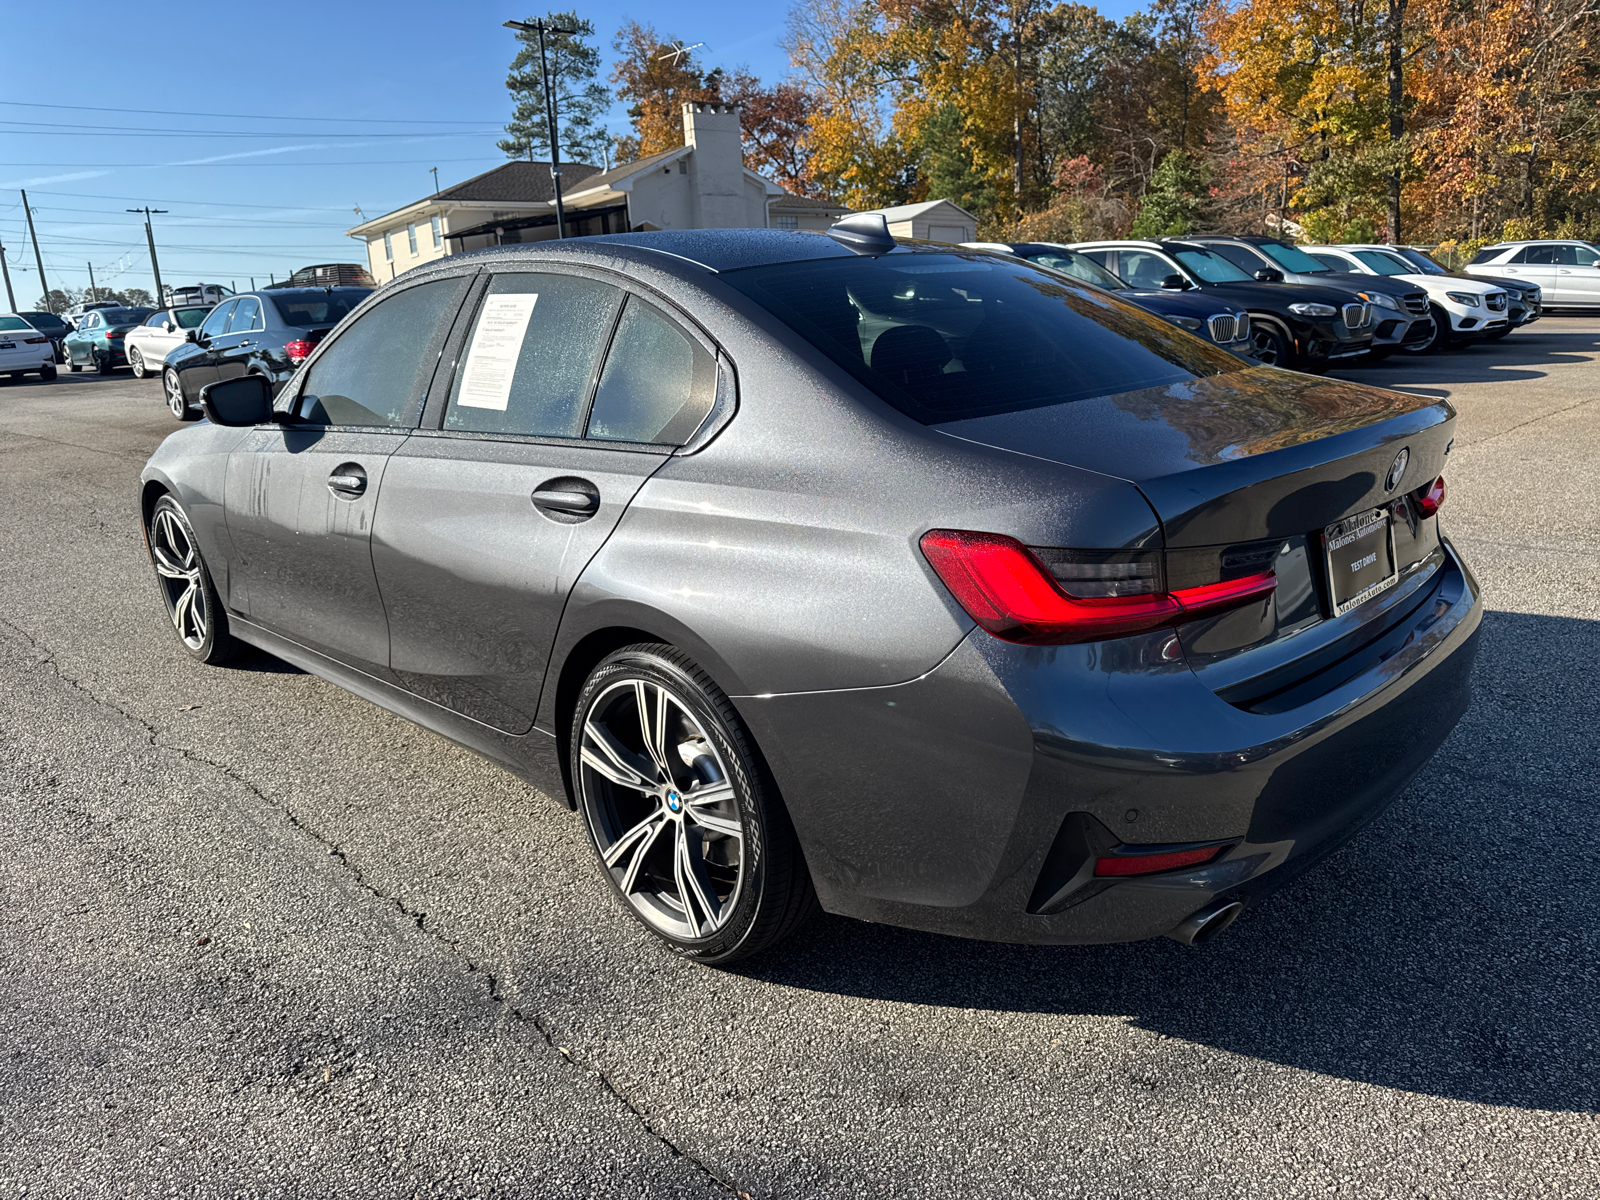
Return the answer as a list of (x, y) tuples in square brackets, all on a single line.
[(98, 340), (266, 333), (923, 584), (53, 327), (1210, 317), (1291, 324)]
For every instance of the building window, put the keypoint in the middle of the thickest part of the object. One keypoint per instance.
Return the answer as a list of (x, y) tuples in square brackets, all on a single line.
[(388, 248), (786, 222), (438, 233), (411, 237)]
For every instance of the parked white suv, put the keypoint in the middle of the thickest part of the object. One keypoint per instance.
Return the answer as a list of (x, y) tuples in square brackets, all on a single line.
[(1468, 308), (1568, 272)]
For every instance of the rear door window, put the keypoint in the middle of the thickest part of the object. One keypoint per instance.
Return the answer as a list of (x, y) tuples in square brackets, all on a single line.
[(529, 366), (1538, 256), (245, 314), (658, 384), (372, 375)]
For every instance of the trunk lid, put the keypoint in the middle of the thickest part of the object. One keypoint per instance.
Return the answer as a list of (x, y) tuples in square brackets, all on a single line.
[(1245, 471)]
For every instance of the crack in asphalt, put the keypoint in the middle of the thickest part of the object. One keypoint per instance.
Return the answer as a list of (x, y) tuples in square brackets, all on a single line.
[(46, 657)]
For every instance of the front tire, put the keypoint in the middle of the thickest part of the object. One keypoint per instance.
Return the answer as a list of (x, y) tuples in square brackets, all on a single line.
[(136, 363), (72, 363), (685, 819), (193, 607), (173, 388), (1270, 347)]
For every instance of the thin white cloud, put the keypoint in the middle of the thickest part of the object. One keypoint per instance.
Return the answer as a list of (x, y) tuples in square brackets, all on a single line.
[(216, 158), (38, 179)]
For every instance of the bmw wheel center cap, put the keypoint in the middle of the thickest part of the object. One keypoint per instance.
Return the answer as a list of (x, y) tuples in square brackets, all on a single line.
[(674, 802)]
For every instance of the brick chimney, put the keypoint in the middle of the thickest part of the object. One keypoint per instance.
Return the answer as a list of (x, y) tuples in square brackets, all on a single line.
[(716, 167)]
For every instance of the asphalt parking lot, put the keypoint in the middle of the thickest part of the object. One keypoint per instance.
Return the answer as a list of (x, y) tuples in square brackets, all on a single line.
[(259, 937)]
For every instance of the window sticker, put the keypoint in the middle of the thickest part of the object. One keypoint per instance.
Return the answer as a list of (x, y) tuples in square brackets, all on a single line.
[(496, 347)]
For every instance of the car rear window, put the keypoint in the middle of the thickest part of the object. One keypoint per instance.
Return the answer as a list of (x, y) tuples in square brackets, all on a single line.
[(123, 316), (1070, 262), (946, 337), (322, 308), (190, 318), (15, 325)]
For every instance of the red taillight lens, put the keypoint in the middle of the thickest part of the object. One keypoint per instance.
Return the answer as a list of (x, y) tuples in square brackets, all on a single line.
[(36, 341), (1430, 498), (1007, 590), (1150, 864), (112, 334), (297, 350)]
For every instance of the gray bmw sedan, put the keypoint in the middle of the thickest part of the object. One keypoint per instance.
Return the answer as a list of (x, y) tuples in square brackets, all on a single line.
[(905, 580)]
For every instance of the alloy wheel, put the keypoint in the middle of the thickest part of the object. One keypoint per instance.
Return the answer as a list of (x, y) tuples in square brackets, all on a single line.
[(174, 389), (136, 361), (177, 564), (664, 815), (1267, 346)]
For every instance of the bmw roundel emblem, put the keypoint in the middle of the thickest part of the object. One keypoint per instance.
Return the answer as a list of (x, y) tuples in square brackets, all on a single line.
[(1398, 470), (673, 802)]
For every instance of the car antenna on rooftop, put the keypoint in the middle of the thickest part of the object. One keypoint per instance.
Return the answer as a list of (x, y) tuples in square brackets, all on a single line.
[(863, 233)]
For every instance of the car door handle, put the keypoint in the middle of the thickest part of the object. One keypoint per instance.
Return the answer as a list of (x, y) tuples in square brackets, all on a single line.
[(575, 497), (348, 480)]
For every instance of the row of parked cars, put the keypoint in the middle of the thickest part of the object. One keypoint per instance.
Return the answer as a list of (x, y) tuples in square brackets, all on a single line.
[(1308, 307)]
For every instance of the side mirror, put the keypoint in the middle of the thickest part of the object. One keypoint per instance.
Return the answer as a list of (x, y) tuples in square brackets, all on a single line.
[(1175, 283), (192, 335), (243, 401), (169, 327), (1269, 275)]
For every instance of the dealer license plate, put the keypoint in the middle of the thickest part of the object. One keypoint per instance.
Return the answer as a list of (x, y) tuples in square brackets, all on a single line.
[(8, 345), (1360, 556)]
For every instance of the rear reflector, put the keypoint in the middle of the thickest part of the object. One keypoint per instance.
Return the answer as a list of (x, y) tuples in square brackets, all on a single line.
[(1429, 499), (1006, 589), (1150, 864)]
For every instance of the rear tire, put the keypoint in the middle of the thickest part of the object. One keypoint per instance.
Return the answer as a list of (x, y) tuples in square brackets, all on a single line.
[(102, 364), (681, 810), (193, 607)]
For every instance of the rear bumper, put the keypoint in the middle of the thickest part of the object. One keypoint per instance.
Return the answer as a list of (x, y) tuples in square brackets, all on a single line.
[(943, 804)]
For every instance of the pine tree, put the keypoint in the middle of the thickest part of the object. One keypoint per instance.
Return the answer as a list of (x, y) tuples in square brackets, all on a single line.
[(1175, 203), (581, 99)]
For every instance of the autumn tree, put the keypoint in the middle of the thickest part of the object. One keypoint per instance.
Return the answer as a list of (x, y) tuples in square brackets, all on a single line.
[(774, 122), (656, 77), (580, 98)]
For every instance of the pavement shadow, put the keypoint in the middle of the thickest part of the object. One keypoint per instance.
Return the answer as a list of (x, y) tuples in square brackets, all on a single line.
[(1529, 353), (1450, 949), (261, 663)]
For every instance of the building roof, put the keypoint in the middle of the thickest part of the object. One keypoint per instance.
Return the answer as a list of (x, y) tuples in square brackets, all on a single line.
[(518, 183), (790, 200), (625, 170), (905, 212)]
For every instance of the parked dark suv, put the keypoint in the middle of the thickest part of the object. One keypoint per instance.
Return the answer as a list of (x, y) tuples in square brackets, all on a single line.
[(1291, 325), (266, 333)]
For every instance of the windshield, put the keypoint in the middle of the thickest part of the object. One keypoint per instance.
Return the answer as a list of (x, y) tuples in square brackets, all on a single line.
[(124, 316), (319, 308), (1383, 264), (1210, 267), (1425, 263), (190, 318), (15, 325), (1070, 262), (1292, 259), (945, 337)]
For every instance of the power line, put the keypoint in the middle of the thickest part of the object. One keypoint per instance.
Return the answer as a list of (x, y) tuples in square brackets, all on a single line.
[(156, 112), (190, 200), (377, 162), (130, 131)]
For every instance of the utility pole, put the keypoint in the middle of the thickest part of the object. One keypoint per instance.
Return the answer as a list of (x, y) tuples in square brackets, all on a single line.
[(11, 297), (435, 171), (37, 257), (150, 240), (92, 288), (541, 29)]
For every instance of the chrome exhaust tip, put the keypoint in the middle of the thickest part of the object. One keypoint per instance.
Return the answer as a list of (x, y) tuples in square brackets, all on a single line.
[(1204, 924)]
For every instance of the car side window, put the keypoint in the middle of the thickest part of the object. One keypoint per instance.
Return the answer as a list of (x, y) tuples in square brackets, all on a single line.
[(1331, 262), (1145, 270), (1578, 256), (1538, 256), (370, 374), (530, 362), (1239, 257), (214, 324), (89, 321), (658, 384), (245, 314)]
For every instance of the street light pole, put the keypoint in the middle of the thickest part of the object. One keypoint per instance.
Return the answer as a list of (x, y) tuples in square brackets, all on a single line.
[(150, 240), (541, 29), (37, 257)]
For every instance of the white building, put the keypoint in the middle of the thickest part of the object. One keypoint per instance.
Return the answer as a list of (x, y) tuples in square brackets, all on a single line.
[(702, 184), (935, 220)]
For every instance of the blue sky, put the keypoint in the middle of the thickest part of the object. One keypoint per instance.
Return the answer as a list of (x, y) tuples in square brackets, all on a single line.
[(293, 119)]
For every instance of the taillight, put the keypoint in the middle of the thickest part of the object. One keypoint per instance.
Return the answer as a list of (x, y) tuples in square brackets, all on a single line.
[(1005, 588), (112, 335), (298, 350), (1430, 498), (1149, 864), (36, 341)]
